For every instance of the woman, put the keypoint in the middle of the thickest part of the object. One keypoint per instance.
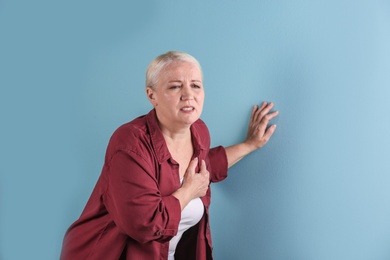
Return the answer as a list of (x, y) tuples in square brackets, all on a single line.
[(153, 195)]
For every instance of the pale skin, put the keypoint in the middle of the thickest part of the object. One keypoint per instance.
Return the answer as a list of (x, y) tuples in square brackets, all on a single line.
[(178, 100)]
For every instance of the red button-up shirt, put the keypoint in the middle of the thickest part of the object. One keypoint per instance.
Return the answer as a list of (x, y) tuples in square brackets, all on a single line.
[(131, 213)]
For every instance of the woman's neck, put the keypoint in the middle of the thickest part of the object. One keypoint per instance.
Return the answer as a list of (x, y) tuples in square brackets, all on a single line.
[(175, 133), (180, 137)]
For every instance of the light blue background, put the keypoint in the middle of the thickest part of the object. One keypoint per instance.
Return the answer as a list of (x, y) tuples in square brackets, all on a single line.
[(72, 71)]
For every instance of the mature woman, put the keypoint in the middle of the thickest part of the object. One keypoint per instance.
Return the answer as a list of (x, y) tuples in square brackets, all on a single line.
[(153, 196)]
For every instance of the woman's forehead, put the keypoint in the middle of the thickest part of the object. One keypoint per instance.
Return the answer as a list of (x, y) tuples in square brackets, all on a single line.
[(181, 69)]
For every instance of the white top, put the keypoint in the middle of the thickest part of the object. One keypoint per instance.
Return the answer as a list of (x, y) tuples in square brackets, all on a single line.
[(190, 216)]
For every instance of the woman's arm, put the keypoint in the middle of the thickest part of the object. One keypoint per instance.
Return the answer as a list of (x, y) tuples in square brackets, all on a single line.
[(135, 202), (257, 136)]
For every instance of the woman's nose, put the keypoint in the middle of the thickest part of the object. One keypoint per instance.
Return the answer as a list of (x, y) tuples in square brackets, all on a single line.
[(186, 93)]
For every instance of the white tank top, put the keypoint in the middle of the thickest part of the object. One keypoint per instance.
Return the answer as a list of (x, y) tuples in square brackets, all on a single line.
[(190, 216)]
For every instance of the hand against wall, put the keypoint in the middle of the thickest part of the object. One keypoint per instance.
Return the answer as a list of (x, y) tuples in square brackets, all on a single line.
[(258, 133)]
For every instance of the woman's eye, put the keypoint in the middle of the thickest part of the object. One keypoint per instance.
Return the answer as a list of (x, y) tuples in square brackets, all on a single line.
[(195, 86), (174, 87)]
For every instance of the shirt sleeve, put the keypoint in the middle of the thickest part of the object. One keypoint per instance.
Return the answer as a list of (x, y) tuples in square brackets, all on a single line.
[(134, 201), (218, 164)]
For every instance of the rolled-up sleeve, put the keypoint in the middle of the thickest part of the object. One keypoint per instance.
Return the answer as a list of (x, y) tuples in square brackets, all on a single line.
[(134, 201), (218, 164)]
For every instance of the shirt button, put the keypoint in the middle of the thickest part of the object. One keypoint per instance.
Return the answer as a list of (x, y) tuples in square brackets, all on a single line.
[(159, 233)]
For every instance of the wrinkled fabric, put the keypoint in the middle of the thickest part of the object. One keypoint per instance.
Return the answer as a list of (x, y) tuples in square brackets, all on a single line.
[(131, 213)]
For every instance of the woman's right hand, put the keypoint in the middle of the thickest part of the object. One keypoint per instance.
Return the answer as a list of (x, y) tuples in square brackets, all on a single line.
[(195, 185)]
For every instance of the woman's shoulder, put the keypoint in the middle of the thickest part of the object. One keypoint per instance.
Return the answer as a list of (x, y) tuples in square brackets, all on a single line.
[(134, 140), (130, 136), (136, 127)]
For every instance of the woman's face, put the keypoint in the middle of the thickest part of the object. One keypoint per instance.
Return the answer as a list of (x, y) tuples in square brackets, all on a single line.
[(179, 95)]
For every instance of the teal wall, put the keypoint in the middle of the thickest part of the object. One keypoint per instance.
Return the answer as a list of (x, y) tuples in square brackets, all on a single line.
[(73, 71)]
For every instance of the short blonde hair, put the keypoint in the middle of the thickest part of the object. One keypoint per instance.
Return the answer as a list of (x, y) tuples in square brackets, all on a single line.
[(162, 61)]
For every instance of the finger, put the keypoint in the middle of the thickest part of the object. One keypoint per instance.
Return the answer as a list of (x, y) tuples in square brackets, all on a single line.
[(268, 117), (254, 109), (192, 166), (263, 111), (266, 110), (204, 171), (256, 112), (265, 136), (269, 132), (203, 167), (264, 122), (263, 105)]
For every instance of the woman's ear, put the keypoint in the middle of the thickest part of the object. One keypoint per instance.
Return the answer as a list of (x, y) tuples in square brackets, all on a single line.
[(151, 96)]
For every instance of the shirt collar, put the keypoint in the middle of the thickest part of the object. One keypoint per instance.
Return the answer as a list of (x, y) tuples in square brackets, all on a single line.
[(158, 141)]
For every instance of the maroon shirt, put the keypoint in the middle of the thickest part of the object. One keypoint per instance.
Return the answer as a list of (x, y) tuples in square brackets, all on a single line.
[(131, 213)]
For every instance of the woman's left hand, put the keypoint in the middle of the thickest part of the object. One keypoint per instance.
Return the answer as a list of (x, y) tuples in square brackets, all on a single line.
[(257, 136), (258, 133)]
